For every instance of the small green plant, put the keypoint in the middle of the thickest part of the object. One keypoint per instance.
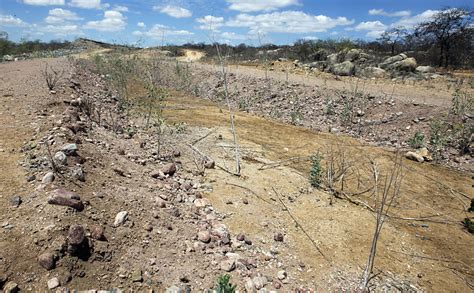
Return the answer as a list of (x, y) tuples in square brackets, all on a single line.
[(316, 172), (417, 141), (469, 225), (329, 110), (438, 137), (223, 285), (471, 208)]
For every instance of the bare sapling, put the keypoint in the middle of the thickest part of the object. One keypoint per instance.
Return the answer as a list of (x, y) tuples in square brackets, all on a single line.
[(51, 76), (223, 64), (385, 191)]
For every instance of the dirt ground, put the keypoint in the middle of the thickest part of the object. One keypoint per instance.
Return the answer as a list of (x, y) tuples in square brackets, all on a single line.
[(422, 248)]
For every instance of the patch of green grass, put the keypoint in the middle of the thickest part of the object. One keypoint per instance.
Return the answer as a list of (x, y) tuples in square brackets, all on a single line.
[(417, 141), (223, 285)]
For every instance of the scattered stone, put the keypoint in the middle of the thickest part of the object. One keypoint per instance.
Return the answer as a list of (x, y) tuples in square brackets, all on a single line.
[(278, 237), (281, 275), (168, 169), (53, 283), (69, 149), (60, 158), (97, 233), (245, 201), (120, 218), (241, 237), (148, 227), (48, 178), (11, 287), (425, 69), (31, 178), (15, 201), (247, 241), (47, 260), (174, 289), (414, 157), (204, 236), (259, 282), (76, 235), (228, 265), (209, 164), (176, 153), (201, 202), (137, 276), (63, 197), (79, 174), (425, 154)]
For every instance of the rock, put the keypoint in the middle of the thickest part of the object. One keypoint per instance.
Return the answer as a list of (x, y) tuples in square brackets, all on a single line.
[(48, 178), (53, 283), (78, 174), (259, 282), (176, 153), (227, 265), (98, 233), (69, 149), (204, 236), (15, 201), (425, 69), (137, 276), (281, 275), (407, 65), (391, 60), (201, 202), (425, 154), (278, 237), (333, 58), (209, 164), (63, 197), (11, 287), (47, 260), (120, 218), (76, 235), (414, 157), (352, 55), (320, 55), (60, 158), (31, 178), (168, 169), (373, 72), (174, 289), (345, 68), (241, 237)]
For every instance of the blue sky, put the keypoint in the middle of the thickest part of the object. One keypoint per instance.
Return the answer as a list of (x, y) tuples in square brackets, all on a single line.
[(151, 22)]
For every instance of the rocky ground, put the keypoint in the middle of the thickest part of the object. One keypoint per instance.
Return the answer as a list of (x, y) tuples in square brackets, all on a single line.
[(95, 201)]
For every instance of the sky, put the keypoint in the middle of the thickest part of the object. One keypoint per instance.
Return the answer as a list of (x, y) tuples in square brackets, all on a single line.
[(254, 22)]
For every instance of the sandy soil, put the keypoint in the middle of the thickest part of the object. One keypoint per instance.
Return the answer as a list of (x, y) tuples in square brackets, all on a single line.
[(427, 251)]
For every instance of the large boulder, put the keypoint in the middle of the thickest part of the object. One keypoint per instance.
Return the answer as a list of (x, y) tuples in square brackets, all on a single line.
[(425, 69), (406, 65), (320, 55), (321, 65), (333, 58), (373, 72), (345, 68), (390, 60), (352, 55)]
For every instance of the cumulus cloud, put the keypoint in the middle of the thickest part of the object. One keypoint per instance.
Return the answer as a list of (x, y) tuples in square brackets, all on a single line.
[(262, 5), (174, 11), (287, 22), (113, 21), (141, 24), (120, 8), (233, 36), (86, 4), (401, 13), (59, 16), (416, 19), (43, 2), (10, 20), (210, 22), (62, 30), (158, 31), (374, 28)]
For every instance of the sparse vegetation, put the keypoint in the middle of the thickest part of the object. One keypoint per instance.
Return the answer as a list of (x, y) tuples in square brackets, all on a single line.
[(223, 285), (316, 171), (417, 141), (51, 76), (469, 225)]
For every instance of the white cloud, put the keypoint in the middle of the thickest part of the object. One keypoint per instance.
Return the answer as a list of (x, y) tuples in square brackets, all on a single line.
[(158, 31), (120, 8), (59, 15), (287, 22), (401, 13), (310, 38), (369, 26), (62, 30), (141, 24), (210, 22), (113, 21), (259, 5), (43, 2), (415, 19), (86, 4), (10, 20), (233, 36), (174, 11), (374, 34)]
